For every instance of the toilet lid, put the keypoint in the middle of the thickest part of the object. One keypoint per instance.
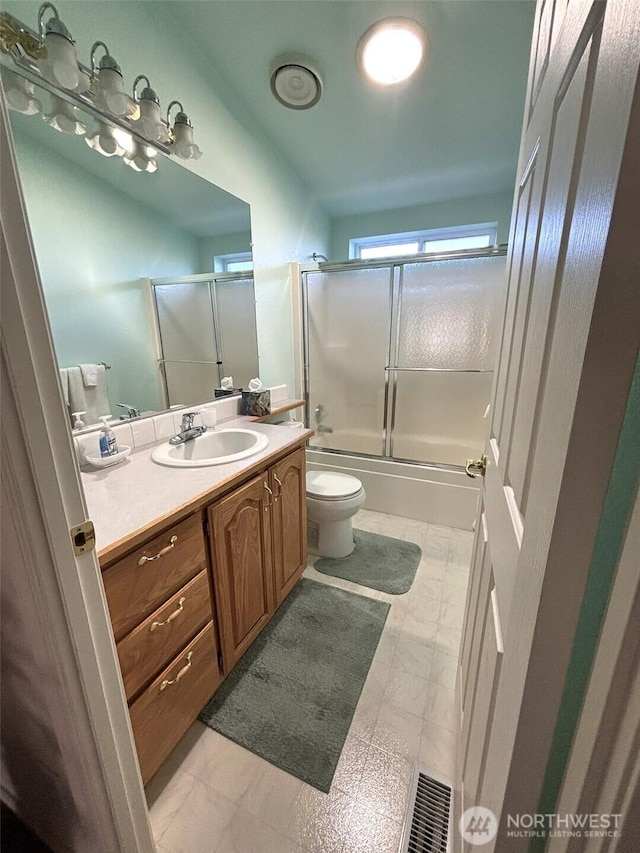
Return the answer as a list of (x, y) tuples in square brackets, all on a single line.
[(327, 485)]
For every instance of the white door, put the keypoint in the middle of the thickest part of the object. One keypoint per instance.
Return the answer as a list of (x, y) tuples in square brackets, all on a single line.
[(69, 763), (569, 345)]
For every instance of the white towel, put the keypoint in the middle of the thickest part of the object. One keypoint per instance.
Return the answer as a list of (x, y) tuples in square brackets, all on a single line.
[(91, 374), (64, 381), (93, 400)]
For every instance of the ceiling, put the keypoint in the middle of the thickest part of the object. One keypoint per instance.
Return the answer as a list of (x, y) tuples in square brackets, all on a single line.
[(452, 131)]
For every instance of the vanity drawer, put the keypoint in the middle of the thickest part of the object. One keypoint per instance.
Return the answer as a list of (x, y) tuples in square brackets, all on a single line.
[(151, 645), (138, 583), (162, 714)]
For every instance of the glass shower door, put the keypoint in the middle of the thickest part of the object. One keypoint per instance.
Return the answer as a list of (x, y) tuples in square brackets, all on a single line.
[(235, 308), (348, 323), (187, 340), (445, 352)]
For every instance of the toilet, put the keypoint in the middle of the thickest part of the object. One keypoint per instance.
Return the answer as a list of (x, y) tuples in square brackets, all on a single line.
[(332, 501)]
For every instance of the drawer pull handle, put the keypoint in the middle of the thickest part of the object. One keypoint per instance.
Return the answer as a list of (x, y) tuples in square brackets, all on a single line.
[(161, 553), (170, 618), (182, 672), (279, 487)]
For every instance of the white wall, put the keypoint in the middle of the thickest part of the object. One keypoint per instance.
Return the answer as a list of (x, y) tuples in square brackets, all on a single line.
[(441, 214)]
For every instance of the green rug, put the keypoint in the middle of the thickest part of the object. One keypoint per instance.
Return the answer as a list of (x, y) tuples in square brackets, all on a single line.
[(379, 562), (292, 696)]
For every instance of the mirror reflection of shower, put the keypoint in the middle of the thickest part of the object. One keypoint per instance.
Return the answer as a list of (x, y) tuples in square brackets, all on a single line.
[(320, 414)]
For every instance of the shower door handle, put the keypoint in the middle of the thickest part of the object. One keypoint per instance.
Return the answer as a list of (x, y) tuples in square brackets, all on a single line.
[(476, 466)]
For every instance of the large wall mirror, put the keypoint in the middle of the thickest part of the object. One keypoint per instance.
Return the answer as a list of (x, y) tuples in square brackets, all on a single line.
[(127, 265)]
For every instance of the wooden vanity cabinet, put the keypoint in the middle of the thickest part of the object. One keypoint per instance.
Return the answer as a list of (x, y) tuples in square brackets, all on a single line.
[(160, 602), (289, 522), (258, 549), (179, 623)]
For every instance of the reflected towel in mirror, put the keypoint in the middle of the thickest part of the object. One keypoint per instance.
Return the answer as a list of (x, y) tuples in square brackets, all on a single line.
[(92, 399)]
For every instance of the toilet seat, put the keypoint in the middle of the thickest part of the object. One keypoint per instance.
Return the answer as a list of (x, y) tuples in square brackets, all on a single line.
[(330, 486)]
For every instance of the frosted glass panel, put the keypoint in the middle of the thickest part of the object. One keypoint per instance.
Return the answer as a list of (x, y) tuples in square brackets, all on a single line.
[(189, 383), (448, 313), (185, 317), (440, 416), (235, 303), (349, 320)]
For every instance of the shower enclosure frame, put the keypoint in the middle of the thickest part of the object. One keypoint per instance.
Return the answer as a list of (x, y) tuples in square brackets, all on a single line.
[(396, 271), (201, 278)]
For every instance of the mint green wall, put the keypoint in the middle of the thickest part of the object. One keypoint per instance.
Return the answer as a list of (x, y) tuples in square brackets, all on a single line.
[(93, 246), (286, 224), (461, 211), (222, 244)]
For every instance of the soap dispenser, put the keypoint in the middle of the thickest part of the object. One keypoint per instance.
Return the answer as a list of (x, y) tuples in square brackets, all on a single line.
[(108, 445), (77, 423)]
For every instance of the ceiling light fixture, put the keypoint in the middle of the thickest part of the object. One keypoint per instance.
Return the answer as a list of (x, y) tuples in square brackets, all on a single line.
[(295, 82), (128, 126), (391, 51)]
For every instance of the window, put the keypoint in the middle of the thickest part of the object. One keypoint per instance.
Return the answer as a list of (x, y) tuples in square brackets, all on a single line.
[(434, 240), (238, 262)]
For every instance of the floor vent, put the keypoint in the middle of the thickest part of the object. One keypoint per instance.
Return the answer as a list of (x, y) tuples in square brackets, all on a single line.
[(427, 822)]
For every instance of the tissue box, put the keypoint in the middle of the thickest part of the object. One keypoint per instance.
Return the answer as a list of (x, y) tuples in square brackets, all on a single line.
[(226, 392), (256, 403)]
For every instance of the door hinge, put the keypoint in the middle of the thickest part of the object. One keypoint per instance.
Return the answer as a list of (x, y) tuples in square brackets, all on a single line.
[(83, 538)]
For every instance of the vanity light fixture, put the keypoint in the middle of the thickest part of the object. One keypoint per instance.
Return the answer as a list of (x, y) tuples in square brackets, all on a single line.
[(63, 118), (141, 158), (21, 96), (128, 126), (109, 83), (104, 141), (182, 144), (391, 51), (150, 122), (60, 62)]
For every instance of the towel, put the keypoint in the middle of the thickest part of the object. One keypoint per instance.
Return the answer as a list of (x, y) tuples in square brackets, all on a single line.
[(91, 374), (64, 381), (93, 399)]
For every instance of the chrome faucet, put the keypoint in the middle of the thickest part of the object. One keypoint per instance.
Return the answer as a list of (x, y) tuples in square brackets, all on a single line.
[(188, 431), (131, 412)]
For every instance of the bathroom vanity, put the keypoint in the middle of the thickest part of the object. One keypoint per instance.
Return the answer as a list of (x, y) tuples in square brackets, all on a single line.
[(194, 564)]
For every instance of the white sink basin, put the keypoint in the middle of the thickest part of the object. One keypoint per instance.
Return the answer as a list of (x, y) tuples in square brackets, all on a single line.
[(216, 447)]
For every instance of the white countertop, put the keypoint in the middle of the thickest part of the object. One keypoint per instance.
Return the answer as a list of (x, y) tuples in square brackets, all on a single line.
[(138, 493)]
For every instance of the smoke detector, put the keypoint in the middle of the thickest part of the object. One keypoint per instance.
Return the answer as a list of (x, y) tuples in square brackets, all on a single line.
[(295, 82)]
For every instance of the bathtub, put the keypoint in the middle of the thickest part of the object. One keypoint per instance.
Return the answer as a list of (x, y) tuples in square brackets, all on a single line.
[(425, 492)]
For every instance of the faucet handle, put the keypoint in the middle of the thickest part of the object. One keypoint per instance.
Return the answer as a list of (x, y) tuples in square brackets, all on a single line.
[(187, 420)]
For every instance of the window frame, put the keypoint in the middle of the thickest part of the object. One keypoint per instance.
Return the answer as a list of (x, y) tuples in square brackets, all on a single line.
[(221, 262), (423, 238)]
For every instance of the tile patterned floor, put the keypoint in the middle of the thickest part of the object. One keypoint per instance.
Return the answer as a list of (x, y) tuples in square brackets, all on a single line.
[(213, 796)]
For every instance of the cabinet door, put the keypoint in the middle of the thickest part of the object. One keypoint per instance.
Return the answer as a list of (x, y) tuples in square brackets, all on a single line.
[(240, 526), (289, 519)]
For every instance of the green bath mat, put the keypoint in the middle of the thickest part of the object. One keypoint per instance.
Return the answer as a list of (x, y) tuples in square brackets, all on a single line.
[(379, 562), (292, 696)]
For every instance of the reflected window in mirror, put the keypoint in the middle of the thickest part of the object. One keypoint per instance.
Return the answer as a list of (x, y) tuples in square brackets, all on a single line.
[(236, 262)]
